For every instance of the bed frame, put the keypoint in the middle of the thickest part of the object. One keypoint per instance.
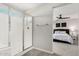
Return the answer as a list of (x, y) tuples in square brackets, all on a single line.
[(66, 30)]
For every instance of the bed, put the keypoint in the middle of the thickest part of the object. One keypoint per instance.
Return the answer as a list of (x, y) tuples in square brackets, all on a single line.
[(62, 35)]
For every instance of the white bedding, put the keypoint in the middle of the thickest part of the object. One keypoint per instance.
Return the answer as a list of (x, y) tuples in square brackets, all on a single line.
[(63, 37)]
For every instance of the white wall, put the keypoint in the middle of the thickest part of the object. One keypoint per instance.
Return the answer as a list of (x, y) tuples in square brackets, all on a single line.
[(42, 37), (4, 19)]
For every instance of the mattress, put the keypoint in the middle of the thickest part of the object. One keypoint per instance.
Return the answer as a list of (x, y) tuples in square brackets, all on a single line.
[(63, 37)]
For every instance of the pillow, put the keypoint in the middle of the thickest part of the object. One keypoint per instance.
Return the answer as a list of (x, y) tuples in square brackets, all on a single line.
[(57, 32), (60, 32)]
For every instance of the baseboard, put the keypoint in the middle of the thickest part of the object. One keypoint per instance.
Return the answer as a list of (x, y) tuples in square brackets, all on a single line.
[(23, 52), (43, 50)]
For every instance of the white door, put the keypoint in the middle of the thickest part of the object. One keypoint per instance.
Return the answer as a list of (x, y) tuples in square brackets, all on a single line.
[(27, 32), (4, 26), (16, 32)]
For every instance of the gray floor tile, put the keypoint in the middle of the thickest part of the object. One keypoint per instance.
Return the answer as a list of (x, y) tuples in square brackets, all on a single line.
[(35, 52)]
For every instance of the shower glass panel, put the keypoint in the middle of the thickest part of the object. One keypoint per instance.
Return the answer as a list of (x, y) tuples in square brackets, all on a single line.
[(27, 32), (16, 31)]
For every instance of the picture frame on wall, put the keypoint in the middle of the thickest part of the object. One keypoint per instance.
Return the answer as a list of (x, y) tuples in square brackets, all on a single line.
[(63, 24), (57, 24)]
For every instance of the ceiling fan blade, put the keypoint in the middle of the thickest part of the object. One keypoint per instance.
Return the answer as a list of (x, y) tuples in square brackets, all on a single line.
[(63, 17), (66, 17)]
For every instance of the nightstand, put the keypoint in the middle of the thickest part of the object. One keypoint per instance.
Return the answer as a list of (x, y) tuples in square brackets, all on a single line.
[(74, 37), (75, 40)]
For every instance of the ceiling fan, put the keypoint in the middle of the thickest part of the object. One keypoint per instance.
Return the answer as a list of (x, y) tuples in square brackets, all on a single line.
[(60, 17)]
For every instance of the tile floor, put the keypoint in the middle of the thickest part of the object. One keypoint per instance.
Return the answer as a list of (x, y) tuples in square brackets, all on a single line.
[(35, 52), (65, 49)]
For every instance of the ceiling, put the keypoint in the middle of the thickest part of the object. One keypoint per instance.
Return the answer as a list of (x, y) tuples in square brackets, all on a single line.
[(35, 9), (25, 6)]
